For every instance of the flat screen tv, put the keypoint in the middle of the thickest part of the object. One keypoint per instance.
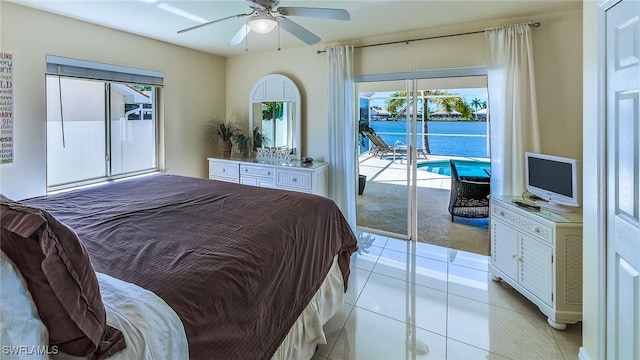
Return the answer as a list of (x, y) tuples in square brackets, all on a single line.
[(554, 180)]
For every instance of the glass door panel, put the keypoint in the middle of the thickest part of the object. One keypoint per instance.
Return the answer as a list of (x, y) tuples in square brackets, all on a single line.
[(383, 169), (452, 126)]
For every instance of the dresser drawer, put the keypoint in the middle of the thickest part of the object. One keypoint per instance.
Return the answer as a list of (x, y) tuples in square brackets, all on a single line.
[(532, 227), (294, 179), (259, 171), (223, 171)]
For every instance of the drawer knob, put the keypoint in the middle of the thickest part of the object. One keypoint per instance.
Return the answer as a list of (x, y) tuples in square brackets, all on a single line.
[(537, 230), (268, 172), (246, 170), (223, 170), (501, 213), (294, 179)]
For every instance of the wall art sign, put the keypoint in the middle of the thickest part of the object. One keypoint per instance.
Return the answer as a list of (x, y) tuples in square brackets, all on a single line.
[(6, 108)]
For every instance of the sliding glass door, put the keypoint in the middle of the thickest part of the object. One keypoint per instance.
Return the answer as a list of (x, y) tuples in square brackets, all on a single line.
[(410, 129), (386, 125)]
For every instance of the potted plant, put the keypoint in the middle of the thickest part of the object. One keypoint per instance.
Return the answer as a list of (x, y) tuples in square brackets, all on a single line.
[(225, 131), (244, 143)]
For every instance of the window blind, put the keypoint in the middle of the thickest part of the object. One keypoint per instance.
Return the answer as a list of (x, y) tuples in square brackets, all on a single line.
[(62, 66)]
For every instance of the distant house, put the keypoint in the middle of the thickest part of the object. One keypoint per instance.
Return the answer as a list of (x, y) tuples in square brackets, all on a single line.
[(481, 114), (445, 115), (379, 114), (137, 104)]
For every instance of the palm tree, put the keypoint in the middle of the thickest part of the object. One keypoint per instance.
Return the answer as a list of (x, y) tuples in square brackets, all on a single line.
[(395, 102), (476, 103), (464, 109), (441, 98)]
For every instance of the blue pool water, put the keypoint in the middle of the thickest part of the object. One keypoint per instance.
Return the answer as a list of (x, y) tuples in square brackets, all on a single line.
[(448, 138), (465, 167)]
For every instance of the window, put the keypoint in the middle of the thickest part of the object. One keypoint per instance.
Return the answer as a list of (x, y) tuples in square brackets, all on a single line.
[(98, 129)]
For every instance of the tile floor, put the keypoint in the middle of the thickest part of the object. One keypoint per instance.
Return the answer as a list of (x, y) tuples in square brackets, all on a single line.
[(410, 300)]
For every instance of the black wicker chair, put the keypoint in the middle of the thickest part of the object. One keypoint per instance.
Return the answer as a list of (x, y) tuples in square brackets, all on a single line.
[(469, 195)]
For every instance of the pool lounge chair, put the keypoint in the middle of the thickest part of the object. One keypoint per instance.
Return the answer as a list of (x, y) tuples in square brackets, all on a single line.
[(402, 149), (469, 195), (380, 148)]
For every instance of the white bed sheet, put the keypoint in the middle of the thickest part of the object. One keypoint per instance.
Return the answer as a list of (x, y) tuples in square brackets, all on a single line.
[(151, 328)]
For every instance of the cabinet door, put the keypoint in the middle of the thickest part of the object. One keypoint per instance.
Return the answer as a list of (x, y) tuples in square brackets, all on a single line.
[(267, 183), (246, 180), (504, 248), (536, 274)]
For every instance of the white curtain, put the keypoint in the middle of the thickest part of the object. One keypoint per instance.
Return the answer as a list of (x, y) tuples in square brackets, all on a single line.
[(341, 150), (512, 104)]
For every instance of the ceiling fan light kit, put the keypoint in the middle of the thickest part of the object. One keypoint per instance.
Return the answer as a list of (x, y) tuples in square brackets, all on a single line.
[(262, 20), (262, 24)]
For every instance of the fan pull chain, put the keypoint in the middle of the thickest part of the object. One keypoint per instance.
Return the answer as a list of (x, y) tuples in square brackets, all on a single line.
[(246, 36), (279, 36)]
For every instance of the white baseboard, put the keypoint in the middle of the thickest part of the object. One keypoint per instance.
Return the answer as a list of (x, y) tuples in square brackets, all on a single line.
[(583, 354)]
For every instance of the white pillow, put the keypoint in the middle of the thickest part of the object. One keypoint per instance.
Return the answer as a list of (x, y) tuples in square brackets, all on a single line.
[(22, 333)]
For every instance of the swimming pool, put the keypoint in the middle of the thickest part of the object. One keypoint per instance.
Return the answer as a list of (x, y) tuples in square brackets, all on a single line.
[(465, 167)]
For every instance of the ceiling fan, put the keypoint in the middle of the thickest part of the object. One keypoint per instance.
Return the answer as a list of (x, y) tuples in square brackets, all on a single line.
[(265, 17)]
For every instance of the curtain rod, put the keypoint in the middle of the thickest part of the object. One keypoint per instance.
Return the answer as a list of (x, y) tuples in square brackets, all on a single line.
[(535, 24)]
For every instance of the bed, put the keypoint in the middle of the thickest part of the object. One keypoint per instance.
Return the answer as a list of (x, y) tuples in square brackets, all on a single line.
[(242, 272)]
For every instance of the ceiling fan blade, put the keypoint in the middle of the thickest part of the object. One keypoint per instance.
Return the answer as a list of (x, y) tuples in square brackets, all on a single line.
[(333, 14), (213, 21), (239, 36), (298, 31), (265, 3)]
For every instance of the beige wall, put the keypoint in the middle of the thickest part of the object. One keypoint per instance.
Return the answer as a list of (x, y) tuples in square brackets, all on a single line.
[(557, 45), (194, 89)]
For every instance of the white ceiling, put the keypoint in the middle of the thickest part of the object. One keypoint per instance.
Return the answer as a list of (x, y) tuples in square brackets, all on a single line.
[(368, 18)]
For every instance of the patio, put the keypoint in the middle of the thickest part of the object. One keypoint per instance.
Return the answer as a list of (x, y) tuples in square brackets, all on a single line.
[(383, 205)]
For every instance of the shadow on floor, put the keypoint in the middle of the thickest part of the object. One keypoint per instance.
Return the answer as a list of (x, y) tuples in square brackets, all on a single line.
[(383, 206)]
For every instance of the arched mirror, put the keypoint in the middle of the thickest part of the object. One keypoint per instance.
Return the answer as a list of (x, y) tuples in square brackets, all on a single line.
[(274, 110)]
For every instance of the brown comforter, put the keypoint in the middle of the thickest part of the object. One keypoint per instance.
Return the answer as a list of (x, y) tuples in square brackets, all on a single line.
[(238, 264)]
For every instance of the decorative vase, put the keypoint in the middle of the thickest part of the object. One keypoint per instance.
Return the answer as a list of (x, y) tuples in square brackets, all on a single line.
[(226, 149)]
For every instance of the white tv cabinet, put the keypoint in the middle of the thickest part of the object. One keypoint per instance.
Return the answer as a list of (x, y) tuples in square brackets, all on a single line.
[(312, 179), (539, 253)]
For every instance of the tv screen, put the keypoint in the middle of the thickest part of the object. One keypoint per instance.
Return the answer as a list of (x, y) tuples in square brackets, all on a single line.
[(551, 175), (553, 179)]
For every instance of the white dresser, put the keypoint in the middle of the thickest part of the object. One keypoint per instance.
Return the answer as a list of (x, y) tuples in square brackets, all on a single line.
[(310, 179), (539, 253)]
